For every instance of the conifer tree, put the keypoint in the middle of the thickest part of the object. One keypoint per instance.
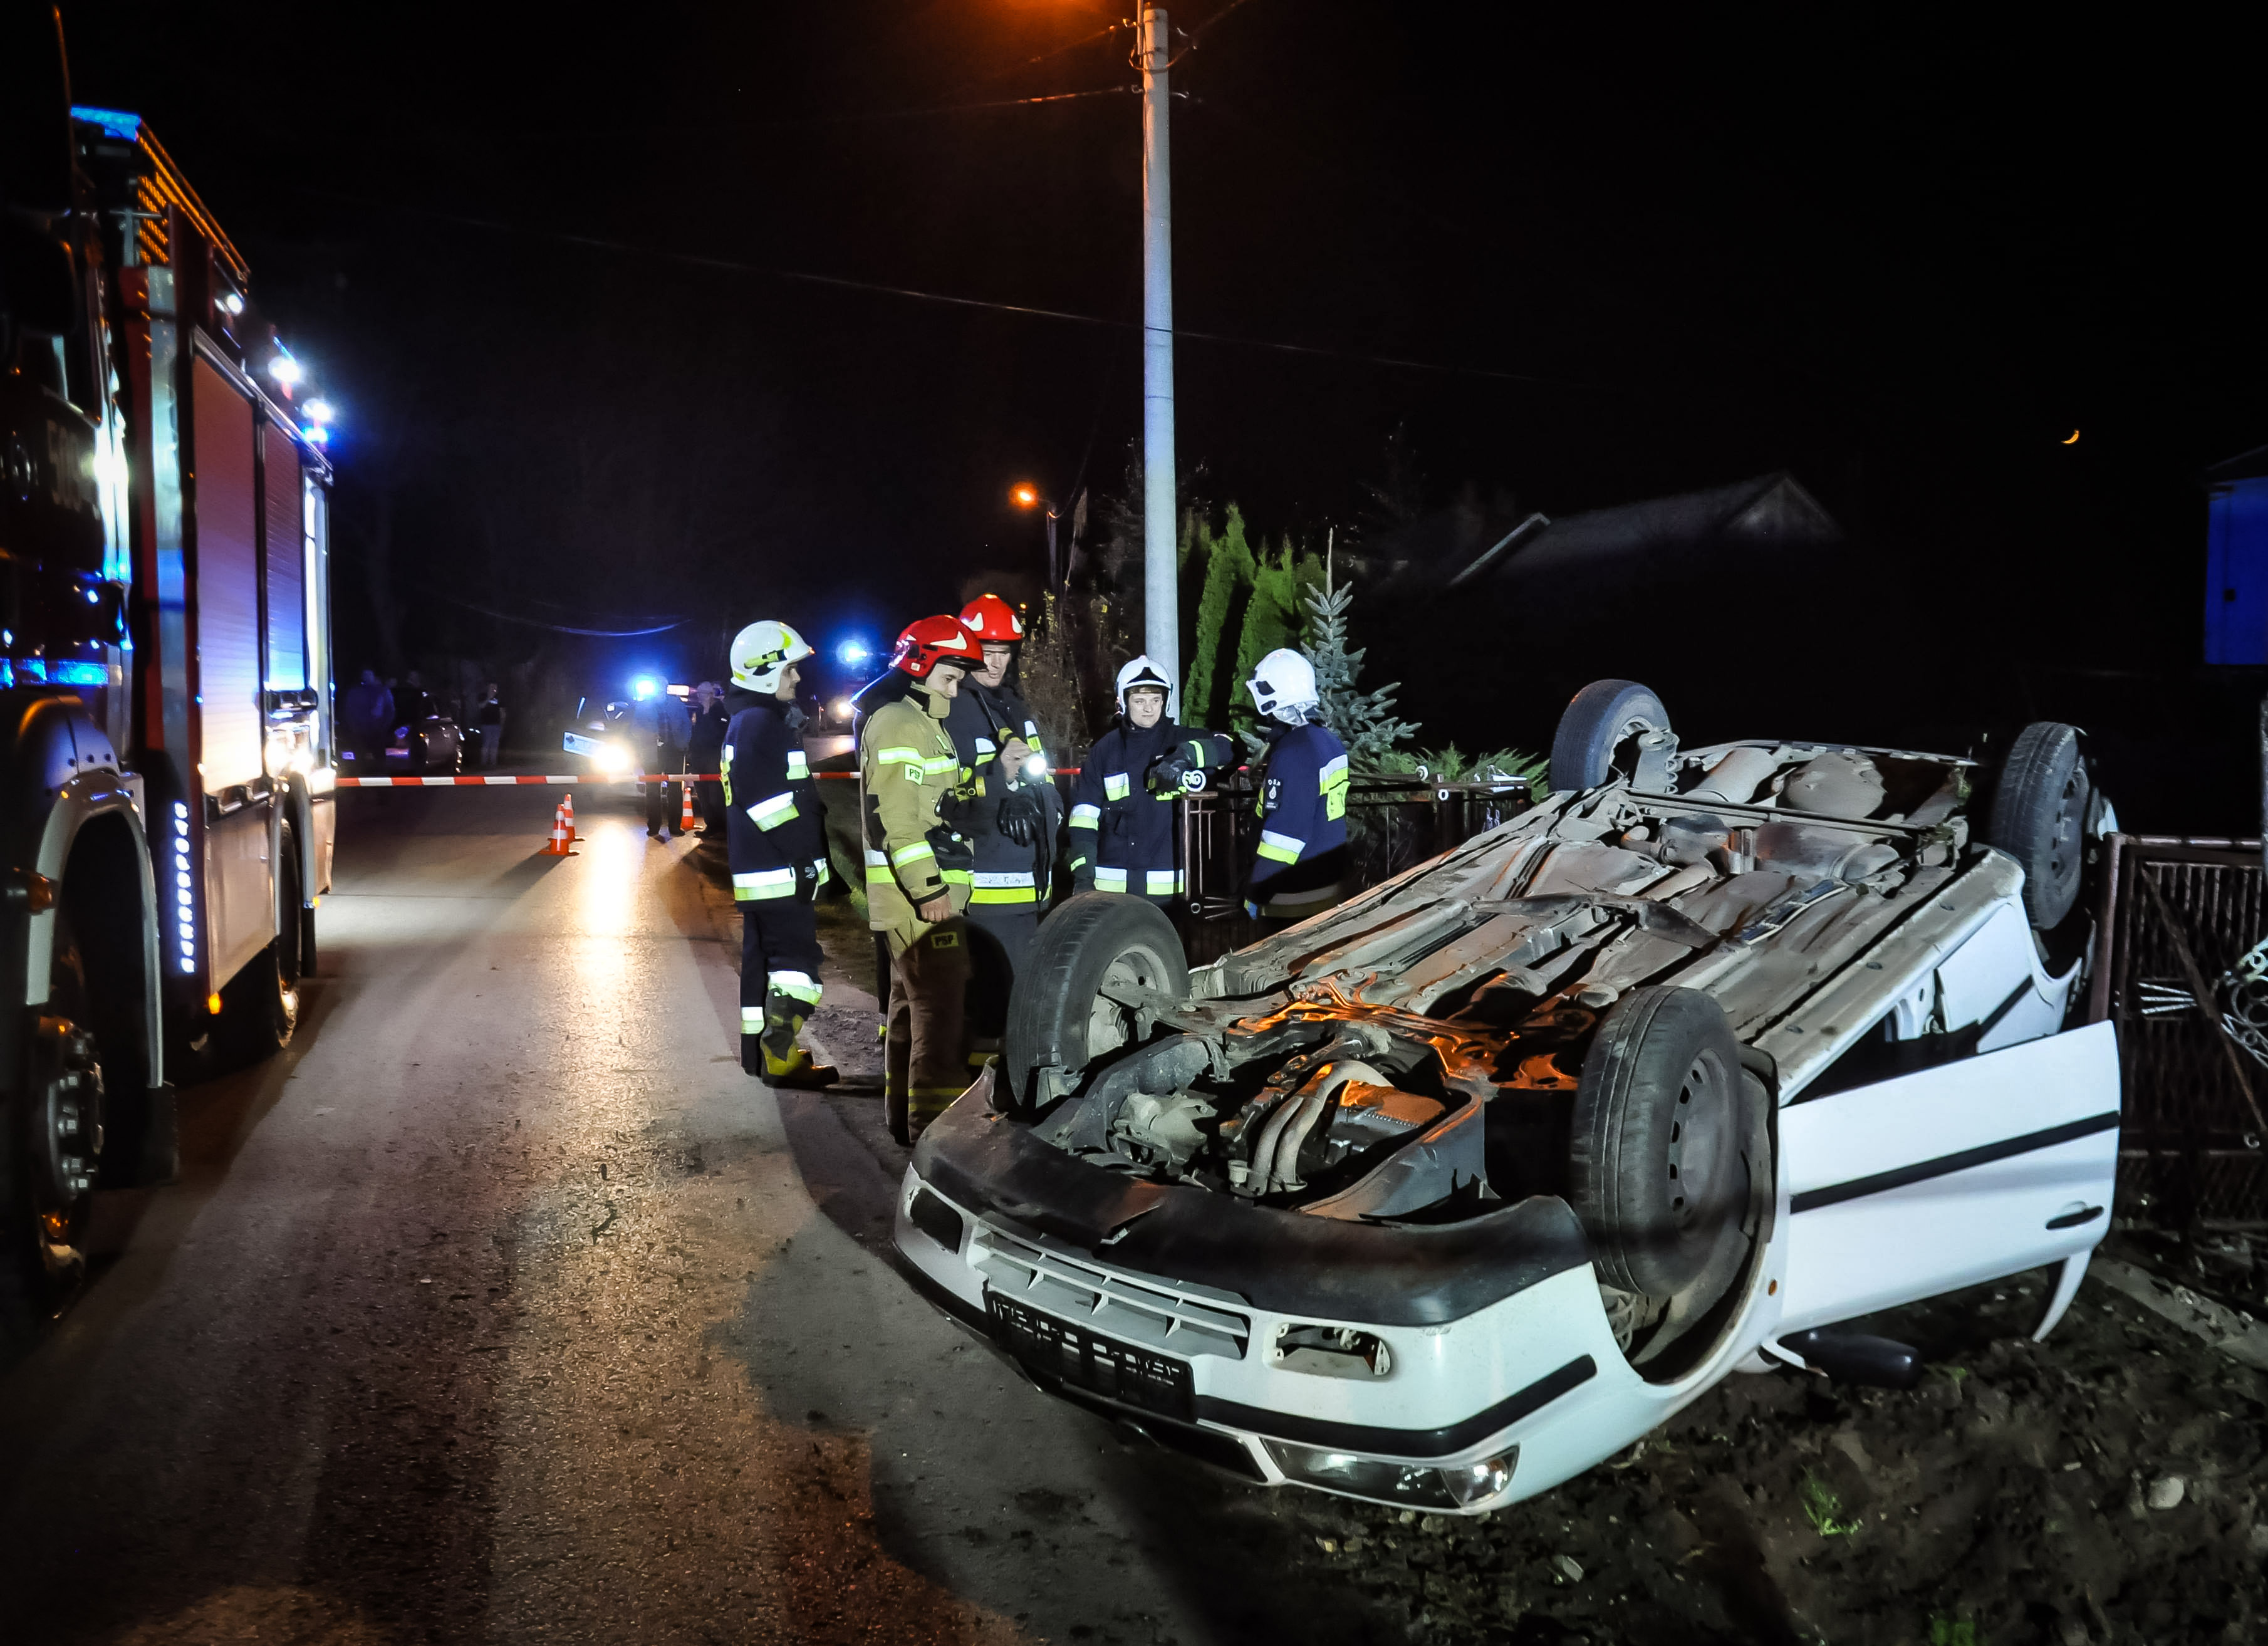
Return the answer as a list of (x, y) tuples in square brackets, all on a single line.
[(1364, 721), (1221, 612)]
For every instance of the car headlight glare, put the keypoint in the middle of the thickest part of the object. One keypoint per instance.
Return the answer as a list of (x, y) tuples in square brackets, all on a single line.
[(1415, 1485), (1473, 1483), (612, 758)]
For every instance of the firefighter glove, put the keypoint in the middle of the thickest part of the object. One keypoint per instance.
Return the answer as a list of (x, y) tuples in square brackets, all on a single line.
[(1021, 815)]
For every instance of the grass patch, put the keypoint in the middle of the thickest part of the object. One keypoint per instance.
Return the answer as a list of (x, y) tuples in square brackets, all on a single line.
[(1824, 1510), (1953, 1632)]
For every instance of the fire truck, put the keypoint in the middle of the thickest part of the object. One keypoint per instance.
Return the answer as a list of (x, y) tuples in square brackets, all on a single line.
[(166, 728)]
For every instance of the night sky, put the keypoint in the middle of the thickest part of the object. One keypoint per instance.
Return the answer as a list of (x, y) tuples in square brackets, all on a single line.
[(1665, 250)]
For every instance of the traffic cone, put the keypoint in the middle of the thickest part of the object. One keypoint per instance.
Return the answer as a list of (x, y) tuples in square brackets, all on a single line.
[(567, 816), (685, 822), (562, 832)]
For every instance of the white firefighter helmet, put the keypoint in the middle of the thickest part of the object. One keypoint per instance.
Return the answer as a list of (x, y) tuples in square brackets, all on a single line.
[(760, 651), (1284, 687), (1145, 674)]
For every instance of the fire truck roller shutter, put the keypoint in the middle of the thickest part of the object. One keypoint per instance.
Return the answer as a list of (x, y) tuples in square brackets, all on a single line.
[(287, 560), (239, 895), (227, 574)]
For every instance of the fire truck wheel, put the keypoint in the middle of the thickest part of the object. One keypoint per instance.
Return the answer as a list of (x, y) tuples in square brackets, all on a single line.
[(261, 1008), (51, 1166)]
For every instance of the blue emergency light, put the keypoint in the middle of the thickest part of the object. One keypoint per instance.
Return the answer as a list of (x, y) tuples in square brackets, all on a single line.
[(643, 687), (853, 653)]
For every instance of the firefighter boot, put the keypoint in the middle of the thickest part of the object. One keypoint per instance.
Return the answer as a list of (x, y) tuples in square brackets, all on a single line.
[(786, 1063)]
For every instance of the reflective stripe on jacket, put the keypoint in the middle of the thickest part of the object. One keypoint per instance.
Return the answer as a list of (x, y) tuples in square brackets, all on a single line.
[(774, 832), (907, 767), (1302, 809)]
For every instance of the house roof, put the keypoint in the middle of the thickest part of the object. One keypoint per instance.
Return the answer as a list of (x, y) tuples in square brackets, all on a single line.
[(1772, 512), (2244, 466)]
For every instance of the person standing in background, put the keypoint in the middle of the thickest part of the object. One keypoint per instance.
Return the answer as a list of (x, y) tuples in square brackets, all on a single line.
[(710, 721), (367, 711), (488, 720), (659, 728)]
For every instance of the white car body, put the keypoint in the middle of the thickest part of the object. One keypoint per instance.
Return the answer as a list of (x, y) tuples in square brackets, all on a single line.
[(1998, 1157)]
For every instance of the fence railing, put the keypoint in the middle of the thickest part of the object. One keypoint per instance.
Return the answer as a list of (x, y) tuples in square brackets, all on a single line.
[(2179, 916)]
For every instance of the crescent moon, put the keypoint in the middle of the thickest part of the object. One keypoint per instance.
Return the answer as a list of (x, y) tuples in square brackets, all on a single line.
[(2075, 439)]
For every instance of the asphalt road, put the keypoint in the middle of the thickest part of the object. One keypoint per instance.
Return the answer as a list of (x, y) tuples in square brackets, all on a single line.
[(502, 1306)]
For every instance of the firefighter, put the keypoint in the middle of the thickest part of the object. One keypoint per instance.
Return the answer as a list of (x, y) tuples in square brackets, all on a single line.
[(776, 837), (1122, 837), (918, 872), (1012, 812), (1299, 864)]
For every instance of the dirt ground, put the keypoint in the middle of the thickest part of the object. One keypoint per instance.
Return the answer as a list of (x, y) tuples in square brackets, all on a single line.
[(2103, 1486), (2103, 1489)]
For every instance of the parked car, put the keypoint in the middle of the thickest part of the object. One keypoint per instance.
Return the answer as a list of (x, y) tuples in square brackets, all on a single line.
[(1447, 1194), (430, 746), (598, 736)]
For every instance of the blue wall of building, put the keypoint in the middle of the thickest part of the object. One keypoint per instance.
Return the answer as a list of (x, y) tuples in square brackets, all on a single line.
[(2236, 573)]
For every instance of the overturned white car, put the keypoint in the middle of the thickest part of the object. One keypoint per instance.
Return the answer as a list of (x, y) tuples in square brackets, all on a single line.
[(1450, 1193)]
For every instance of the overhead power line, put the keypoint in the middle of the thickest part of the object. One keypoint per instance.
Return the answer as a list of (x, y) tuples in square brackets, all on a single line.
[(802, 276)]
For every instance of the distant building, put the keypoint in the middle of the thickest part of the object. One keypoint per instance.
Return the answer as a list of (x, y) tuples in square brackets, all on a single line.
[(2236, 560)]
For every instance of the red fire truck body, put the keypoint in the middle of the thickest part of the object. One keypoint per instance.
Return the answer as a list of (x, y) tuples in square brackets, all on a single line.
[(166, 730)]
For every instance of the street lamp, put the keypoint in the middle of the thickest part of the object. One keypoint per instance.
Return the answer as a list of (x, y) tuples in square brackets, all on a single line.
[(1025, 495)]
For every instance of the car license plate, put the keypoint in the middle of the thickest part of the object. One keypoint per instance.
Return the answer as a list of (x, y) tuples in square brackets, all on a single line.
[(404, 753), (580, 745), (1117, 1371)]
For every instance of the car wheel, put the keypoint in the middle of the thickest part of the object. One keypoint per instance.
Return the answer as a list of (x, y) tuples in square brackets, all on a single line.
[(1061, 1013), (51, 1164), (1655, 1150), (2039, 818), (1597, 723)]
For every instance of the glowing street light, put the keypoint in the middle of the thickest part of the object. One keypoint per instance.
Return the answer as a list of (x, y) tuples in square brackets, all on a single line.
[(1025, 495)]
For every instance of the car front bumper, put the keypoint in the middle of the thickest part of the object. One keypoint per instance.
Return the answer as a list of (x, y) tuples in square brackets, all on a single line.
[(1451, 1368)]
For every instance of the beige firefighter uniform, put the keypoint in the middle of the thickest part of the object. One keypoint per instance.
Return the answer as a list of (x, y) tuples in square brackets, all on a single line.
[(907, 769)]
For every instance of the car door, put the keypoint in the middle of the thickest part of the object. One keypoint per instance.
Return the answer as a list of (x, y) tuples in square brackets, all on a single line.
[(1978, 1168)]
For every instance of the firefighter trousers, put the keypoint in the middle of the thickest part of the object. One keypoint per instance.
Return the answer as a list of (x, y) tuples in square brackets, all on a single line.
[(925, 1062), (1000, 936), (779, 982)]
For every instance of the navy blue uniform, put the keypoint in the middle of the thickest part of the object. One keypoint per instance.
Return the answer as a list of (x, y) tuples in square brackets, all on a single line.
[(1301, 858), (1009, 892), (1122, 837), (774, 833)]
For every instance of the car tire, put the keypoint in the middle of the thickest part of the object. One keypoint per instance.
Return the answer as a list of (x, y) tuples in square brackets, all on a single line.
[(2039, 818), (1058, 1016), (1656, 1143), (1597, 722)]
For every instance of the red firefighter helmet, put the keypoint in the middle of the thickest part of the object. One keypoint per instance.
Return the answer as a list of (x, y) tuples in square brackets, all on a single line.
[(933, 641), (989, 618)]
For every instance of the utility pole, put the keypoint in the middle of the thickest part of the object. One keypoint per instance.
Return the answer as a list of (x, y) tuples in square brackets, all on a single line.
[(1161, 634)]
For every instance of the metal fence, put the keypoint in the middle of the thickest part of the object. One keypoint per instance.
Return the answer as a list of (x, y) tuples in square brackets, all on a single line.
[(2180, 915), (1392, 824)]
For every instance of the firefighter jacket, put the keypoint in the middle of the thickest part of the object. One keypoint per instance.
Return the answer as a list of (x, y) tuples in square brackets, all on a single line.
[(1122, 820), (982, 720), (1303, 783), (774, 832), (908, 770)]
